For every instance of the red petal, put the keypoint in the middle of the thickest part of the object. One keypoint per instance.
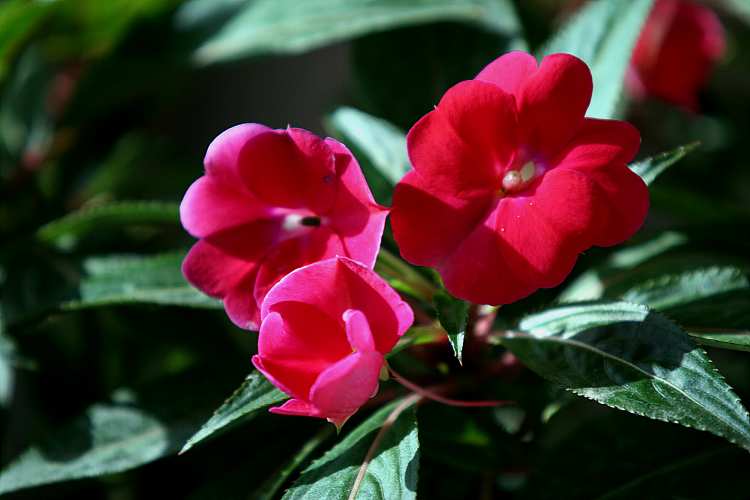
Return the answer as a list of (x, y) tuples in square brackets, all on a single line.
[(428, 228), (290, 168), (461, 147), (601, 142), (553, 102), (509, 71), (600, 151)]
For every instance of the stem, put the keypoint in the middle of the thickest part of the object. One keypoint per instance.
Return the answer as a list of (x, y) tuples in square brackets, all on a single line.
[(406, 273), (387, 424), (427, 394)]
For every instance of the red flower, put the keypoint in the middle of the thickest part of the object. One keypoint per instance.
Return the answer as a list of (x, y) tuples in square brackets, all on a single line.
[(325, 330), (270, 202), (676, 51), (511, 182)]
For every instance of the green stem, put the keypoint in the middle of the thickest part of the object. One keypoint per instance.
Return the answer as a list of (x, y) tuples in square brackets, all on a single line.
[(390, 264)]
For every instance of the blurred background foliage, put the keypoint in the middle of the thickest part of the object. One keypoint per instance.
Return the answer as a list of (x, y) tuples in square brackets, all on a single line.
[(106, 108)]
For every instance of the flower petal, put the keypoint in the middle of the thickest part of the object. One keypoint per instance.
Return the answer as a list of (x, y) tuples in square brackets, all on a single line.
[(509, 71), (222, 157), (297, 407), (462, 146), (601, 142), (296, 343), (311, 246), (211, 206), (358, 331), (388, 316), (428, 228), (345, 386), (355, 216), (290, 168), (553, 102)]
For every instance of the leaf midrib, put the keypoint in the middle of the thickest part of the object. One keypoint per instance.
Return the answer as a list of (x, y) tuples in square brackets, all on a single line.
[(627, 363)]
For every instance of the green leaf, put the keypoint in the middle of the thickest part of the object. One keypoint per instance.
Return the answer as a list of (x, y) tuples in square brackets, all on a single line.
[(735, 341), (7, 357), (712, 304), (625, 356), (290, 26), (453, 315), (123, 279), (18, 19), (392, 472), (603, 34), (650, 168), (255, 394), (740, 7), (108, 438), (593, 283), (269, 489), (65, 232), (673, 290), (379, 146)]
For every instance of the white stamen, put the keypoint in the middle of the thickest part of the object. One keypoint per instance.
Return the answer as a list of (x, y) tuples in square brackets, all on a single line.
[(512, 180)]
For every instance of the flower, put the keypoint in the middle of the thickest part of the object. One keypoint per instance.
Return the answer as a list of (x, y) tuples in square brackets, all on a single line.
[(511, 182), (272, 201), (679, 45), (325, 329)]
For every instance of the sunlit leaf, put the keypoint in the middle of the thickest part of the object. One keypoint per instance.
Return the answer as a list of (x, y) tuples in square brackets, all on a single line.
[(650, 168), (392, 472), (379, 146), (255, 394), (453, 316), (626, 356), (283, 26)]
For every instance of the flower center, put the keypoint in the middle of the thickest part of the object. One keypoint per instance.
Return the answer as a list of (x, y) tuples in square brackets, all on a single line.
[(515, 180), (296, 222)]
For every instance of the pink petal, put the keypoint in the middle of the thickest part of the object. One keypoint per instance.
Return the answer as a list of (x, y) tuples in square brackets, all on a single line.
[(388, 316), (315, 284), (509, 71), (298, 341), (428, 227), (553, 102), (335, 285), (314, 244), (345, 386), (223, 276), (290, 168), (461, 147), (240, 306), (297, 407), (222, 157), (355, 216), (211, 206), (358, 331)]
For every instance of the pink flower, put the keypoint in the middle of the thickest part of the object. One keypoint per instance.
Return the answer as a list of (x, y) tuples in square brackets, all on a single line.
[(511, 182), (325, 330), (679, 45), (272, 201)]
